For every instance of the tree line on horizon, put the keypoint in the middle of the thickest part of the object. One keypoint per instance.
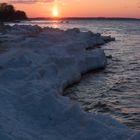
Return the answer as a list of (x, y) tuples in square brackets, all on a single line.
[(8, 13)]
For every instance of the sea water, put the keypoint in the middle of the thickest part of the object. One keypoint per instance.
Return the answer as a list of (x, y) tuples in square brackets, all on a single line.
[(116, 89)]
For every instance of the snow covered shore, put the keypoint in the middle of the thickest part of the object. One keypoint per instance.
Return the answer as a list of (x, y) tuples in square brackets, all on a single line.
[(36, 64)]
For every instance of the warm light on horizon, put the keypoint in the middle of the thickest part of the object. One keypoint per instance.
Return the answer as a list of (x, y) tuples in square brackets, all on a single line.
[(81, 8), (55, 12)]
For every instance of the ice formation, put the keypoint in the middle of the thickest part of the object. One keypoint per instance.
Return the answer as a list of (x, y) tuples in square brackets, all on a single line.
[(36, 64)]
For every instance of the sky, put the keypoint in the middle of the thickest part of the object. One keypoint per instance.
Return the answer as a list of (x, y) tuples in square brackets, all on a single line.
[(78, 8)]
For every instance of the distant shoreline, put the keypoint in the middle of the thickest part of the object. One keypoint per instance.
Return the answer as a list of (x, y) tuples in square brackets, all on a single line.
[(83, 18)]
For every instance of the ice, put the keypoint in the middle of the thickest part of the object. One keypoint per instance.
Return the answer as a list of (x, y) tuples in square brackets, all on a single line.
[(35, 68)]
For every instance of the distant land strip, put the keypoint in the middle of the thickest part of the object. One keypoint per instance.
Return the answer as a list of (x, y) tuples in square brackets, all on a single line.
[(84, 18)]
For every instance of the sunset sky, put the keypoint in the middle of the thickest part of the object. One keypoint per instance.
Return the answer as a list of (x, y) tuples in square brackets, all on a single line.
[(79, 8)]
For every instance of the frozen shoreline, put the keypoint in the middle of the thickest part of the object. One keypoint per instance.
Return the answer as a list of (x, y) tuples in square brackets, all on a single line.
[(34, 69)]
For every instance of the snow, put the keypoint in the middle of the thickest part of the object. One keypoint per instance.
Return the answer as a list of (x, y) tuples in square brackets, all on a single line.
[(36, 66)]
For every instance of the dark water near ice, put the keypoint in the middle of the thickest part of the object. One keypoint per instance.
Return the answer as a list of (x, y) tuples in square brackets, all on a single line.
[(115, 90)]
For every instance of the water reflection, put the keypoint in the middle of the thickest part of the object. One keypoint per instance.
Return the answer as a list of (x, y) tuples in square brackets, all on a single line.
[(55, 25), (115, 90)]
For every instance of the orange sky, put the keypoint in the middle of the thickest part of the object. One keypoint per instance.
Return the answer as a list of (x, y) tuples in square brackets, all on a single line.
[(81, 8)]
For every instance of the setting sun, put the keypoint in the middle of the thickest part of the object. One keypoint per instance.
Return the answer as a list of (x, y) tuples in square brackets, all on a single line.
[(69, 69), (79, 8), (55, 12)]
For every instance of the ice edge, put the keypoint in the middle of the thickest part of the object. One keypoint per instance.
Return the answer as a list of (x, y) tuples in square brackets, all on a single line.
[(35, 68)]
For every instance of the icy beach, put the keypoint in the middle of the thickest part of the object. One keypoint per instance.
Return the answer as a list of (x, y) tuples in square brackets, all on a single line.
[(36, 65)]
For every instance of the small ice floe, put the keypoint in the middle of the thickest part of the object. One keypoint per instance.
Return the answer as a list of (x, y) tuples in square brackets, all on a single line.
[(109, 56), (108, 39)]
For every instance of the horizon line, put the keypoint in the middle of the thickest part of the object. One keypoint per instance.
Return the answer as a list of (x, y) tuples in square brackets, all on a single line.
[(125, 18)]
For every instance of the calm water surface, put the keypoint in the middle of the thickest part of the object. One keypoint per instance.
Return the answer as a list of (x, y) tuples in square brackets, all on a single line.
[(115, 90)]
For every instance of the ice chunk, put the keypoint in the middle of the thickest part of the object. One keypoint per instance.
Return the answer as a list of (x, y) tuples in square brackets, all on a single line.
[(38, 64)]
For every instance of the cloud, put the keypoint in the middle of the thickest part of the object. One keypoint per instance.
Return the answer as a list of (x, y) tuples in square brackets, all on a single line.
[(29, 1)]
